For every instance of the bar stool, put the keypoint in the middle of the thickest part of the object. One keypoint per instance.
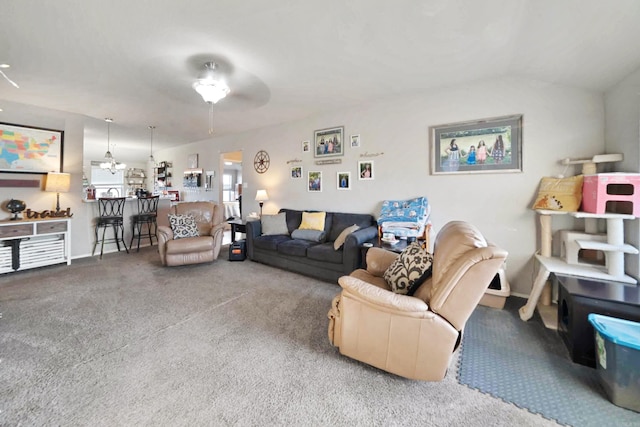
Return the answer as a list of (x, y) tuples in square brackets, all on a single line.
[(147, 214), (110, 211)]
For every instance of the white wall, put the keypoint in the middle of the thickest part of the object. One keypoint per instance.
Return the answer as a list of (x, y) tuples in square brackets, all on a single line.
[(35, 198), (559, 122), (622, 106)]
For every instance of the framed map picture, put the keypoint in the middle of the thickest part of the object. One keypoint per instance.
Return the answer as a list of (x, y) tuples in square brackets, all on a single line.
[(30, 149)]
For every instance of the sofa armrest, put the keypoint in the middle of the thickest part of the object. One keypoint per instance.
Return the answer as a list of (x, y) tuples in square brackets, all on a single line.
[(253, 230), (383, 298), (351, 255)]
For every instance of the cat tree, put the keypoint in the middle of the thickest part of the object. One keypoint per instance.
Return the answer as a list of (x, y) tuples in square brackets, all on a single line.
[(611, 244)]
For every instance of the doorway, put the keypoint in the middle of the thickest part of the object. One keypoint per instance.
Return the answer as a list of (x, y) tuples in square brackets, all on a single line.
[(231, 184)]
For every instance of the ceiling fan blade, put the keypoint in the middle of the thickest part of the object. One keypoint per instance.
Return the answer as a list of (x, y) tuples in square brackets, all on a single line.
[(9, 80)]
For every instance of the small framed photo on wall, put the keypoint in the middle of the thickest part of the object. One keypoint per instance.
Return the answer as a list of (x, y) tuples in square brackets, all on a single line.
[(355, 141), (344, 180), (315, 181), (192, 161), (296, 172), (306, 146), (365, 169)]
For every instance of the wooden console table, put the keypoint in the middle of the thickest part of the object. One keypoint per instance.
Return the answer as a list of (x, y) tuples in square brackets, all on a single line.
[(34, 243)]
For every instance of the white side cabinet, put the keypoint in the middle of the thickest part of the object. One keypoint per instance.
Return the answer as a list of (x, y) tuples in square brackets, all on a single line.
[(28, 244)]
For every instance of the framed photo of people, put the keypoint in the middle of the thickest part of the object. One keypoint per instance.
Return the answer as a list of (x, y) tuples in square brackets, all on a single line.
[(482, 146), (365, 170), (344, 180), (315, 181), (328, 142), (296, 172)]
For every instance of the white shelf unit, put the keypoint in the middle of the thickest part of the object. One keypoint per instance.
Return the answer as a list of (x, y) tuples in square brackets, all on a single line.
[(614, 249), (136, 179), (26, 244)]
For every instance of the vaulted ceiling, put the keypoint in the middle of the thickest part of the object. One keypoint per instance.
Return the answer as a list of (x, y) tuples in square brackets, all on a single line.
[(135, 61)]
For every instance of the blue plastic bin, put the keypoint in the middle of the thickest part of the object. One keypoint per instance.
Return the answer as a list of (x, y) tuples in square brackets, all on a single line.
[(618, 359)]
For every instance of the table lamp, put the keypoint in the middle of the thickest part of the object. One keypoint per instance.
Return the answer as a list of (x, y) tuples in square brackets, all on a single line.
[(261, 197), (58, 182)]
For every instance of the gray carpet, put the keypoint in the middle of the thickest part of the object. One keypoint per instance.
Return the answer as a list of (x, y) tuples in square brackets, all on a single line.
[(528, 365), (125, 341)]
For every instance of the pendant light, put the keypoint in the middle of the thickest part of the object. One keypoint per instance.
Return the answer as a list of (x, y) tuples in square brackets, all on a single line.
[(151, 159), (109, 162)]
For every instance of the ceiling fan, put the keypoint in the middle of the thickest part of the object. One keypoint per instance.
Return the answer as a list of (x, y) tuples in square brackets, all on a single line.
[(224, 84), (212, 87)]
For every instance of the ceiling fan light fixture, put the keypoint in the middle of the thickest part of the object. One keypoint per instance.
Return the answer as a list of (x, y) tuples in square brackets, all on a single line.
[(211, 91), (211, 88)]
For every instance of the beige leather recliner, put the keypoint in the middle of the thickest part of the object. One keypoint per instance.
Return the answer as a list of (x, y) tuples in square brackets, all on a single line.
[(414, 336), (193, 250)]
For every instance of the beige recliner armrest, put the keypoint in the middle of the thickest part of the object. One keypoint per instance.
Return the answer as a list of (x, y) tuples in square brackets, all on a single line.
[(165, 234), (382, 298), (216, 228), (378, 260)]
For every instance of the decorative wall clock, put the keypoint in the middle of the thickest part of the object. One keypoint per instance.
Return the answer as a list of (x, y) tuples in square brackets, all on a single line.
[(261, 161)]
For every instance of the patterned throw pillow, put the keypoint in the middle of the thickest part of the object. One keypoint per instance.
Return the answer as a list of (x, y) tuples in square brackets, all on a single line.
[(183, 226), (409, 270)]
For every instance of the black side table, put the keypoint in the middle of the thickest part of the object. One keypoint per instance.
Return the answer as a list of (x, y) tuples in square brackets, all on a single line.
[(577, 297), (377, 243), (237, 226)]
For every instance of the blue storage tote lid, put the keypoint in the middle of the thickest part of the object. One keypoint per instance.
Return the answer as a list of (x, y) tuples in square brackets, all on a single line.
[(619, 331)]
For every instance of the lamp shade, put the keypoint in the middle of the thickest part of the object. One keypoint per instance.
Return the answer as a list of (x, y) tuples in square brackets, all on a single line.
[(58, 182), (262, 196)]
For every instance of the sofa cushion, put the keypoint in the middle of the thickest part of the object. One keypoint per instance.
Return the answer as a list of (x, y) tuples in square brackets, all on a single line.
[(325, 252), (270, 242), (313, 221), (295, 247), (344, 220), (274, 224), (409, 270), (312, 235), (183, 226), (294, 218), (337, 244)]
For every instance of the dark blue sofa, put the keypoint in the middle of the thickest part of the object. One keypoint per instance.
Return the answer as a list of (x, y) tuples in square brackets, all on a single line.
[(314, 259)]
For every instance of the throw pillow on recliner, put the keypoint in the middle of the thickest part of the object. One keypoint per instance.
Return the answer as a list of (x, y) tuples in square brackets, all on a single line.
[(183, 226), (407, 272)]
